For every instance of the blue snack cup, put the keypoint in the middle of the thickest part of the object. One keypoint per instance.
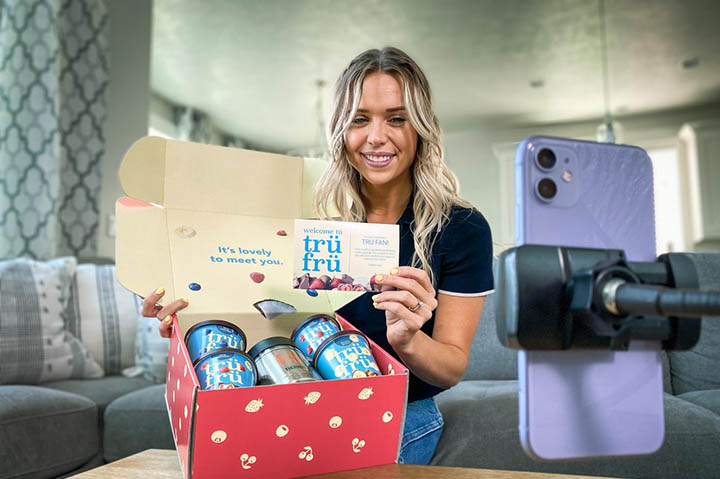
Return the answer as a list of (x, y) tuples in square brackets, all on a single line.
[(207, 336), (312, 332), (345, 355), (226, 368)]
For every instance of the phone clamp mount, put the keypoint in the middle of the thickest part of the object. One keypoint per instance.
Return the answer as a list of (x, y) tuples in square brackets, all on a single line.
[(558, 298)]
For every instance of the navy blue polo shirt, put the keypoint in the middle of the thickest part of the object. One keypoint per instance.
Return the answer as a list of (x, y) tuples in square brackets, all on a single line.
[(461, 261)]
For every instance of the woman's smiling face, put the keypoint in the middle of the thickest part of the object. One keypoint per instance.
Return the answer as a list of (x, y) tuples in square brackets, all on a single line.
[(380, 142)]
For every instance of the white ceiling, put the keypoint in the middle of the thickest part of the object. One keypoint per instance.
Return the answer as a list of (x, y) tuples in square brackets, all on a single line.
[(252, 65)]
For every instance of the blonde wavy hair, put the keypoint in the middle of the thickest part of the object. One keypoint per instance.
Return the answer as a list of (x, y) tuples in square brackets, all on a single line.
[(436, 188)]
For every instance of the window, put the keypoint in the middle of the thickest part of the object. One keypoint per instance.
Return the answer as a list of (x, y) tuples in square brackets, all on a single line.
[(669, 233)]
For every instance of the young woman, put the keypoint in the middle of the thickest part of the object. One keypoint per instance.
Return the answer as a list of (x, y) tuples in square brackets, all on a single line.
[(387, 166)]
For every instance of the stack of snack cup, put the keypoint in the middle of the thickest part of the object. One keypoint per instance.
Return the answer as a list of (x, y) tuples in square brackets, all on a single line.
[(334, 353), (217, 352)]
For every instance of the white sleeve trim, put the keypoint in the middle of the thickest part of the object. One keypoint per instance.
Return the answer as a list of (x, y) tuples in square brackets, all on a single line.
[(468, 295)]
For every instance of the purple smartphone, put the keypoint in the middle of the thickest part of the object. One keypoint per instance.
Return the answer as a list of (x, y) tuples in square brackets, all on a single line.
[(579, 404)]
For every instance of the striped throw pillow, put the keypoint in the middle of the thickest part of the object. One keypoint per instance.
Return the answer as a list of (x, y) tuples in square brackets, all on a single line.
[(34, 346), (151, 351), (103, 315)]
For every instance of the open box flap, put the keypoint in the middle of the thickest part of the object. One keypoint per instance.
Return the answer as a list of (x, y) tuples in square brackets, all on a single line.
[(198, 177), (143, 256), (224, 238)]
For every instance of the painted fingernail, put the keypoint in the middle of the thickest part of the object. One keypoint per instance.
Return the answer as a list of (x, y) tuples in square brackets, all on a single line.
[(168, 319), (374, 304), (160, 291), (374, 298), (185, 300), (394, 271), (378, 277)]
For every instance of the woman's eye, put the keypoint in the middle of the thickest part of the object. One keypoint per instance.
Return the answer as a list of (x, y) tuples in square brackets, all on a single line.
[(359, 120), (397, 120)]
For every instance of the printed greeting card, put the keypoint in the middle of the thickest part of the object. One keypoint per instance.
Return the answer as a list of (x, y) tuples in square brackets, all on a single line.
[(342, 256)]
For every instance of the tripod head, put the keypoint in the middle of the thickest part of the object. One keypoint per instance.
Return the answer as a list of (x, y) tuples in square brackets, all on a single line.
[(556, 298)]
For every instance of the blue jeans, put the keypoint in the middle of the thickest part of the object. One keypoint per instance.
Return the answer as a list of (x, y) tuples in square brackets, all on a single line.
[(423, 428)]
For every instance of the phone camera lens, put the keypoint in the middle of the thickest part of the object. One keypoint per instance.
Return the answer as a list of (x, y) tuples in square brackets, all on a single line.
[(546, 158), (547, 189)]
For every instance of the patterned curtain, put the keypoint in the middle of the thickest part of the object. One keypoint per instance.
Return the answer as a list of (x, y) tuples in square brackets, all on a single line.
[(53, 86)]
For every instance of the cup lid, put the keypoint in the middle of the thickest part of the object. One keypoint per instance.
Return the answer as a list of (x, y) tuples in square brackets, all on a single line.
[(269, 343), (219, 322)]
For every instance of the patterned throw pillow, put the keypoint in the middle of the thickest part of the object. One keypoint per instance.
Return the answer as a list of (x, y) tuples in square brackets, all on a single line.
[(152, 350), (102, 314), (34, 346)]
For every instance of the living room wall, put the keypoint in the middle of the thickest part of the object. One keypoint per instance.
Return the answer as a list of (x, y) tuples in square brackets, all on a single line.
[(128, 102), (472, 154)]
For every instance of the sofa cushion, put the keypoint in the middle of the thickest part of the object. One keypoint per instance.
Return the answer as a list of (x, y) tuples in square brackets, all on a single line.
[(34, 346), (709, 399), (101, 391), (489, 359), (699, 368), (103, 315), (481, 421), (137, 421), (45, 433)]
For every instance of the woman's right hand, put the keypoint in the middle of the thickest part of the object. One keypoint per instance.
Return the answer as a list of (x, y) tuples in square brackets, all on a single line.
[(151, 309)]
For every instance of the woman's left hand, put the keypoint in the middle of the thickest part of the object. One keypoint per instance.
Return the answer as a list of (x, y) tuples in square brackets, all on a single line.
[(408, 307)]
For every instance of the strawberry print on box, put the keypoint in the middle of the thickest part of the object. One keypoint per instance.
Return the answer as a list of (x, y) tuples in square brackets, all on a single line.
[(297, 429), (340, 256)]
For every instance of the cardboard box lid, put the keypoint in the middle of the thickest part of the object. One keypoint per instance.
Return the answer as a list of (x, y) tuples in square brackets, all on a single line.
[(223, 219)]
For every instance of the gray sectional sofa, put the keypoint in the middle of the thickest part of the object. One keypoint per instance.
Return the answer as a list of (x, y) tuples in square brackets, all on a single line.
[(64, 427)]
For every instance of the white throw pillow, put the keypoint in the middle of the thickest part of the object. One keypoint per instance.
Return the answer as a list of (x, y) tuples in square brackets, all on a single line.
[(103, 315), (34, 346), (152, 350)]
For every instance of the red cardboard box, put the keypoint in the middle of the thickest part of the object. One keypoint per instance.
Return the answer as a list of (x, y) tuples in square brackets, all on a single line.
[(190, 206)]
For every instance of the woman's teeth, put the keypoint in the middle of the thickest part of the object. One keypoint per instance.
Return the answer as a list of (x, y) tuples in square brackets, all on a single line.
[(378, 159)]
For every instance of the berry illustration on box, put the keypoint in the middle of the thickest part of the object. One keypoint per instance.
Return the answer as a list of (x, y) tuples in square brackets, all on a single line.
[(341, 256)]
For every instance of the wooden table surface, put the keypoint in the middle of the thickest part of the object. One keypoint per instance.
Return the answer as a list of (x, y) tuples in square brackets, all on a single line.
[(163, 464)]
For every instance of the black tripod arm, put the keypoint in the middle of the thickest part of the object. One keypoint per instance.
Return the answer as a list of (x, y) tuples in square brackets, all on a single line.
[(621, 298)]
